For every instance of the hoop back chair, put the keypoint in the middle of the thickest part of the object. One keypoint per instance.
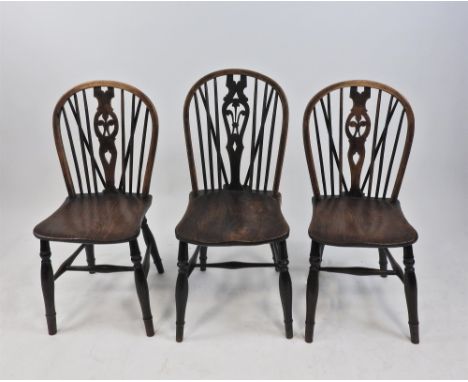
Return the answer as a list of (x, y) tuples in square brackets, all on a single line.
[(241, 122), (107, 157), (355, 133)]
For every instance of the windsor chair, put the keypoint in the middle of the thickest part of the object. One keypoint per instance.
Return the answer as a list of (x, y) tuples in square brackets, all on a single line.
[(353, 208), (237, 202), (98, 210)]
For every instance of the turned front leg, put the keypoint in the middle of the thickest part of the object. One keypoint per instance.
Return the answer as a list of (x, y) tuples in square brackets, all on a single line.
[(47, 283), (285, 287), (312, 289), (141, 287), (181, 291), (411, 293)]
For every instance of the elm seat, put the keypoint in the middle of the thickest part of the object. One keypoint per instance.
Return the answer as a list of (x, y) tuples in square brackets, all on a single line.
[(363, 222), (108, 217), (227, 217)]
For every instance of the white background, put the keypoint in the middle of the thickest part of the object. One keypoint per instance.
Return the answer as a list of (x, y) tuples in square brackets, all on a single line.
[(234, 318)]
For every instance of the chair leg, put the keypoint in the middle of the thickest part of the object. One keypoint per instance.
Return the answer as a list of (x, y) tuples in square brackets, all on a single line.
[(47, 283), (312, 289), (141, 287), (90, 259), (181, 291), (203, 258), (383, 262), (285, 287), (150, 241), (411, 293), (274, 249)]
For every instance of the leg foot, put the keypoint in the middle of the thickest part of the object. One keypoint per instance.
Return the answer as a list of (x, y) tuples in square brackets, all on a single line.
[(411, 293), (141, 287), (203, 258), (150, 241), (181, 291), (47, 283), (312, 289), (285, 287)]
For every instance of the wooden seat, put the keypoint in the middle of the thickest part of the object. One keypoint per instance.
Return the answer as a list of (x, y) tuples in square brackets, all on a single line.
[(369, 222), (106, 134), (109, 217), (229, 217)]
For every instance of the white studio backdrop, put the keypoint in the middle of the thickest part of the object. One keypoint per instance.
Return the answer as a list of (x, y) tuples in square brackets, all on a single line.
[(420, 49)]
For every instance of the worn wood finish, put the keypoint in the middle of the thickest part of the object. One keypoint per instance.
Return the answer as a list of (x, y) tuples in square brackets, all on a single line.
[(72, 112), (352, 130), (109, 127), (363, 222), (96, 218), (245, 122), (239, 121), (359, 126), (230, 217)]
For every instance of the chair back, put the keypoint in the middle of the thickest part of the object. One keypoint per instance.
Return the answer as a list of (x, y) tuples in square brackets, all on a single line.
[(106, 124), (358, 132), (239, 135)]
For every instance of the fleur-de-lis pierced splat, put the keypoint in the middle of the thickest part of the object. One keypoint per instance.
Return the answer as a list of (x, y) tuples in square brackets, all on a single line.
[(106, 127), (236, 113), (357, 126)]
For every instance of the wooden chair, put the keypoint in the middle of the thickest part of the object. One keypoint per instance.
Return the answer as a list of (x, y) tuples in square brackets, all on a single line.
[(353, 123), (237, 202), (99, 119)]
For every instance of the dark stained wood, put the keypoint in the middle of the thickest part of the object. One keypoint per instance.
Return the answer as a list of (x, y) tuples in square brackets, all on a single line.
[(232, 218), (360, 214), (236, 265), (151, 243), (285, 287), (411, 293), (181, 291), (96, 218), (102, 208), (360, 112), (141, 287), (312, 289), (90, 257), (47, 283), (362, 222), (106, 126), (203, 258), (233, 113), (383, 260), (236, 118)]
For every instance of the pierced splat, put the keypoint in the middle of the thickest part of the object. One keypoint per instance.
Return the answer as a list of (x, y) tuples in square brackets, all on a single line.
[(358, 126), (236, 113), (106, 127)]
